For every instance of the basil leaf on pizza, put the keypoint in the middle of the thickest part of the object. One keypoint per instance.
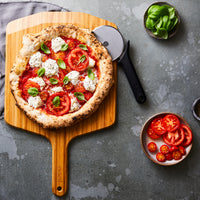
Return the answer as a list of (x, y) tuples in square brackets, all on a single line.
[(64, 47), (56, 101), (84, 47), (61, 64), (91, 74), (45, 49), (53, 81), (66, 67), (65, 80), (41, 72), (82, 59), (33, 91), (80, 96)]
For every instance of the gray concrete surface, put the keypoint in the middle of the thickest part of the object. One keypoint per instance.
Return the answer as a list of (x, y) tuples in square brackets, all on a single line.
[(110, 164)]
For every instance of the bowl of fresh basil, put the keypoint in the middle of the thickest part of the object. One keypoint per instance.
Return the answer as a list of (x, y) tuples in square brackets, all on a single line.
[(161, 20)]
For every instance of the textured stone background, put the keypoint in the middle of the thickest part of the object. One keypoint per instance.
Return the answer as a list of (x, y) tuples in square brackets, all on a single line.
[(110, 164)]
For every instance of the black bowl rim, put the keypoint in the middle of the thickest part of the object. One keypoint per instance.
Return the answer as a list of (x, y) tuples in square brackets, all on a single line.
[(195, 103)]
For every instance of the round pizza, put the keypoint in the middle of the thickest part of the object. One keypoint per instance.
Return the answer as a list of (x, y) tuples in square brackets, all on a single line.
[(61, 75)]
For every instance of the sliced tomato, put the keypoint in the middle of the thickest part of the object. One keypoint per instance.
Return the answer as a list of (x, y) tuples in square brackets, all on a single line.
[(64, 106), (164, 149), (69, 86), (47, 80), (152, 134), (71, 43), (88, 95), (174, 138), (173, 148), (157, 127), (80, 88), (168, 156), (56, 56), (152, 147), (28, 73), (45, 58), (176, 155), (27, 85), (188, 135), (160, 157), (170, 122), (44, 95), (182, 150), (78, 59)]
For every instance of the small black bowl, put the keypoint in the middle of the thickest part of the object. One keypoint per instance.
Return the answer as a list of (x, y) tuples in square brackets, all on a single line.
[(172, 32), (196, 108)]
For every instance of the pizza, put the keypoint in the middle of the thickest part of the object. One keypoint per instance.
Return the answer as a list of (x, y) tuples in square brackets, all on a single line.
[(61, 75)]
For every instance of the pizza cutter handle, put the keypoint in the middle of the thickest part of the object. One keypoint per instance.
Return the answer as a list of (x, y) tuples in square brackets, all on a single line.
[(131, 74), (59, 165)]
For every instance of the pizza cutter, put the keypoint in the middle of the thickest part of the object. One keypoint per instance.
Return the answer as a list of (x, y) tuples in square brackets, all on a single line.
[(112, 39)]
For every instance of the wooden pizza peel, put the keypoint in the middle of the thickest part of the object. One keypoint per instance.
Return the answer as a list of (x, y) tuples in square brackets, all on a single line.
[(104, 117)]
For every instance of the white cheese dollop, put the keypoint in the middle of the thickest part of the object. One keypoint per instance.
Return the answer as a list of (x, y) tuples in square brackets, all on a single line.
[(35, 101), (39, 81), (51, 67), (74, 104), (73, 77), (35, 60), (91, 63), (57, 43), (56, 89), (89, 84)]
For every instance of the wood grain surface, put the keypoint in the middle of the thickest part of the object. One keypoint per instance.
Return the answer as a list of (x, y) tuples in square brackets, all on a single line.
[(104, 117)]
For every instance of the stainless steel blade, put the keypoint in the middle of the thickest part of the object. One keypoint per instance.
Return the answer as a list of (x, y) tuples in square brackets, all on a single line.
[(111, 38)]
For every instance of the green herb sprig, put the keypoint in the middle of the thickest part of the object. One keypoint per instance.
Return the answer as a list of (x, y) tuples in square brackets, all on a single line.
[(61, 64), (33, 91), (56, 101), (45, 49), (80, 96)]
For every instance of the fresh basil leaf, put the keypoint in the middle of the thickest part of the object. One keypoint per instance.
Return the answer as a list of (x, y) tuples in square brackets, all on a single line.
[(56, 101), (150, 23), (65, 80), (159, 23), (155, 32), (33, 91), (41, 72), (153, 9), (162, 32), (91, 74), (171, 12), (61, 64), (165, 20), (152, 16), (45, 49), (82, 58), (64, 47), (80, 96), (157, 11), (84, 47), (53, 81), (174, 23), (169, 23)]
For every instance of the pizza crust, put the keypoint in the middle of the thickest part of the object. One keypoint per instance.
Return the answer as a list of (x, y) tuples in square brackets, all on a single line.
[(31, 44)]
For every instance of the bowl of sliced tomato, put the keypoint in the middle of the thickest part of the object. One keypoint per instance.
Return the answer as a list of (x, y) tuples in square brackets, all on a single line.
[(166, 138)]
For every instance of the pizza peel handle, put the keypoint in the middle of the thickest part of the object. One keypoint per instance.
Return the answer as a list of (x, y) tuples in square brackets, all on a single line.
[(59, 144)]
